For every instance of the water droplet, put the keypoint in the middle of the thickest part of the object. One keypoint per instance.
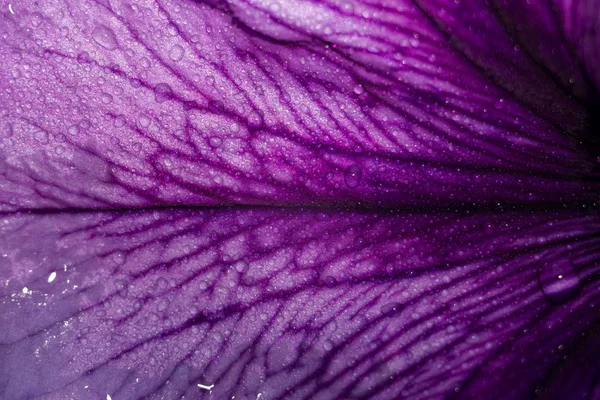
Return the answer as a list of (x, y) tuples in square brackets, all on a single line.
[(218, 336), (162, 283), (36, 19), (216, 106), (7, 131), (352, 176), (84, 57), (162, 305), (41, 137), (144, 121), (73, 130), (330, 281), (328, 345), (120, 121), (144, 62), (358, 89), (121, 286), (215, 142), (255, 119), (105, 37), (52, 277), (391, 309), (241, 266), (119, 258), (176, 53), (559, 280), (162, 92), (106, 98)]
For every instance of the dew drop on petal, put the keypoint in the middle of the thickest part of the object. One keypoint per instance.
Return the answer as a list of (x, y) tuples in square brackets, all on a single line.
[(256, 119), (144, 62), (559, 280), (121, 287), (328, 345), (391, 309), (41, 137), (36, 19), (105, 37), (73, 130), (120, 121), (241, 266), (84, 57), (176, 53), (7, 131), (106, 98), (144, 121), (352, 176), (162, 92), (330, 281), (119, 258), (215, 141), (162, 283)]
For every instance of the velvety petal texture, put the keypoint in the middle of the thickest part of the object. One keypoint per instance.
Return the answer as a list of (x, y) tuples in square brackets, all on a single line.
[(115, 104), (299, 199), (281, 304)]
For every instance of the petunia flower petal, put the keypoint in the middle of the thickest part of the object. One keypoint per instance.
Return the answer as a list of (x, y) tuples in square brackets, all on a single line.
[(280, 304), (110, 104)]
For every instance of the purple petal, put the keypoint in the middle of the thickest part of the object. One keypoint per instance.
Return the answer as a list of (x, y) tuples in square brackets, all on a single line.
[(180, 102), (437, 108), (289, 304)]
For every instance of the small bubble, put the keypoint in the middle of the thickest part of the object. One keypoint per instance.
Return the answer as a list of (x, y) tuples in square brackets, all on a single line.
[(358, 89)]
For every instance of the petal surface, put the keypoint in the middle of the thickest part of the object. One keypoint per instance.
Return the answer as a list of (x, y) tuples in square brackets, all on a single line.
[(110, 104), (280, 304)]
